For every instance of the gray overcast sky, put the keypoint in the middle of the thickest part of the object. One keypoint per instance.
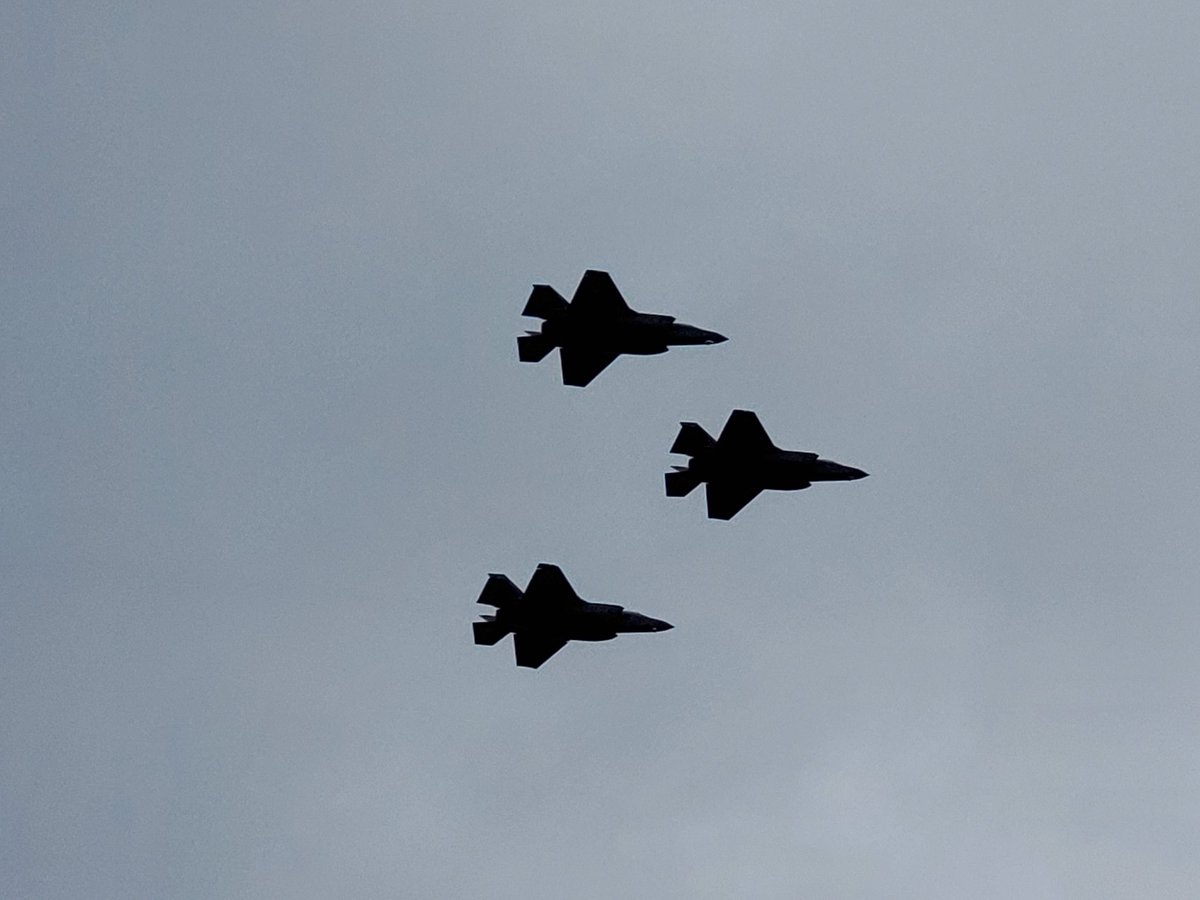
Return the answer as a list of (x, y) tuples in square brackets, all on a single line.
[(263, 433)]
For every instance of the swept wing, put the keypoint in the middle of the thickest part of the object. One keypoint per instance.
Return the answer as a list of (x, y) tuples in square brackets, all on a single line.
[(581, 364), (597, 295), (534, 648), (727, 496), (549, 590), (743, 431)]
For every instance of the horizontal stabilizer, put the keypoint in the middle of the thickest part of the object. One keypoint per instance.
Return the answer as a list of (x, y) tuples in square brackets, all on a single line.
[(499, 591), (533, 347), (681, 482), (692, 439), (488, 633), (544, 302)]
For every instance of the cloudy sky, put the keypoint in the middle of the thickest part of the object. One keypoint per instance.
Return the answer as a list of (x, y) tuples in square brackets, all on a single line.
[(263, 434)]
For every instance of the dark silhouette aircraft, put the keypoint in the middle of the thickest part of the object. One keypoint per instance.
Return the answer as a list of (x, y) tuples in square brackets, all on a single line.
[(596, 327), (742, 462), (549, 614)]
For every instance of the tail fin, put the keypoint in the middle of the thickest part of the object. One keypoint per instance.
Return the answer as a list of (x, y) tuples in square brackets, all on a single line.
[(533, 347), (681, 482), (489, 632), (692, 439), (544, 301), (499, 591)]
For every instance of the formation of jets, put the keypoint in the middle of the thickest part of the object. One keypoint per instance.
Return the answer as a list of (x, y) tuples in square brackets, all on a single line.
[(590, 332)]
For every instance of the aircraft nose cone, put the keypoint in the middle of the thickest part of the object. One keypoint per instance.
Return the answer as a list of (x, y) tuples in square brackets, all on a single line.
[(855, 474), (660, 625), (711, 337)]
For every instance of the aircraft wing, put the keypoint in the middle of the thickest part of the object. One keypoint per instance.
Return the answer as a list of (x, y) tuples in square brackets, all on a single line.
[(743, 431), (597, 295), (581, 364), (727, 497), (549, 589), (533, 649)]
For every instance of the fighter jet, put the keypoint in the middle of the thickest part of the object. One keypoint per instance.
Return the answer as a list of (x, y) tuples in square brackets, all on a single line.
[(742, 462), (596, 327), (549, 614)]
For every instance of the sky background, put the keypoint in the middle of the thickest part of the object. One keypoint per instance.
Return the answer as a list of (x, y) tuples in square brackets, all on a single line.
[(263, 434)]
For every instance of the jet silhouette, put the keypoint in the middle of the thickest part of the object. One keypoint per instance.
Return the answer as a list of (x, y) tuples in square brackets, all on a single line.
[(742, 462), (549, 614), (596, 327)]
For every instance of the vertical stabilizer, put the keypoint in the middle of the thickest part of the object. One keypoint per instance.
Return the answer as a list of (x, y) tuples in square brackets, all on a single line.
[(499, 591), (692, 439), (544, 302)]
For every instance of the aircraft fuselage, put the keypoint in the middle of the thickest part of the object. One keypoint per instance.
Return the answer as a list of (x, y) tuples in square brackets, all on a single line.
[(637, 334), (591, 622), (774, 470)]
